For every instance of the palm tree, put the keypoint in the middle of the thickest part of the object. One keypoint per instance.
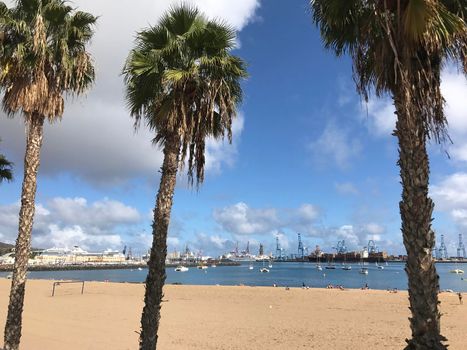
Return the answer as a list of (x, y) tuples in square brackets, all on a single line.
[(42, 57), (5, 169), (398, 47), (182, 79)]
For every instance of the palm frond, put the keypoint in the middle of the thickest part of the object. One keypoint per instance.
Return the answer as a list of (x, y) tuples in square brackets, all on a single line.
[(398, 42), (181, 78), (43, 56)]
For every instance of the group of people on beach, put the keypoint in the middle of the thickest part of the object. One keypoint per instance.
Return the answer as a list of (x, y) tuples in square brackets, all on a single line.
[(337, 286)]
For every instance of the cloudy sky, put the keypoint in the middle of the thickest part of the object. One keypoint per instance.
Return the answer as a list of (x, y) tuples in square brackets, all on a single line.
[(308, 156)]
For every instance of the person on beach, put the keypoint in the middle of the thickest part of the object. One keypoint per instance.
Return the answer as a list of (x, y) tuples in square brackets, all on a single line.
[(460, 297)]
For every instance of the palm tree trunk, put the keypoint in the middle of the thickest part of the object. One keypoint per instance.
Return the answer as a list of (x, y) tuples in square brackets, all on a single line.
[(23, 242), (156, 265), (416, 210)]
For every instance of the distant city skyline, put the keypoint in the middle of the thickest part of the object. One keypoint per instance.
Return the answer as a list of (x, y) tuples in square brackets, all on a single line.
[(308, 155)]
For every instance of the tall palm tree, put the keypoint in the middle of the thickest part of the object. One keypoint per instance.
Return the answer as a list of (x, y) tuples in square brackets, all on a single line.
[(42, 57), (398, 47), (182, 79), (6, 166)]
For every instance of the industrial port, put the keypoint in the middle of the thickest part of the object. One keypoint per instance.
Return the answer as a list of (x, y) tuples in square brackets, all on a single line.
[(77, 258)]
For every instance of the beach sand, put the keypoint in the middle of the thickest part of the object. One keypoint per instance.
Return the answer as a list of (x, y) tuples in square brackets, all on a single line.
[(217, 317)]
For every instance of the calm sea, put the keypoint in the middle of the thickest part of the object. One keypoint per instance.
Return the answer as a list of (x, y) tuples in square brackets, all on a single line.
[(282, 274)]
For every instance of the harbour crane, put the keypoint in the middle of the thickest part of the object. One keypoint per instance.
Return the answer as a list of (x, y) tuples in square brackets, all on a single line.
[(279, 250), (341, 247), (301, 250), (461, 248), (372, 248), (443, 250)]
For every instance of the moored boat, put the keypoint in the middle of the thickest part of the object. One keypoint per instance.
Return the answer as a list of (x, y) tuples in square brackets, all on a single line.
[(181, 269)]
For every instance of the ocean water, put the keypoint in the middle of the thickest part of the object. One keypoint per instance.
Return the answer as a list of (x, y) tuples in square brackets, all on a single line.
[(282, 274)]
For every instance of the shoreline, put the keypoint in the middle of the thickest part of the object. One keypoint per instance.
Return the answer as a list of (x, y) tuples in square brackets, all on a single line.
[(290, 287), (85, 267), (107, 316)]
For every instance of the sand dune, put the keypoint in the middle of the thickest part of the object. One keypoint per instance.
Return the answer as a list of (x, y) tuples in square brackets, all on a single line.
[(211, 317)]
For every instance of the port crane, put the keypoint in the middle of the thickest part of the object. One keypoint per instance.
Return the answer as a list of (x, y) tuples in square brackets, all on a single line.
[(279, 250), (301, 250), (340, 247), (372, 248), (461, 248), (443, 250)]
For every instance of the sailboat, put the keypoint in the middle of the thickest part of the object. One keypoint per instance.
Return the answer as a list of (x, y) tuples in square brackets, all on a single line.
[(457, 270), (345, 266), (330, 266), (263, 269), (181, 269), (270, 264), (250, 267), (318, 265), (363, 270)]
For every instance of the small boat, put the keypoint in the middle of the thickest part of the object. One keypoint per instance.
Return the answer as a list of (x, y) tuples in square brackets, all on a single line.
[(263, 269), (202, 267), (318, 265), (250, 267), (347, 267), (270, 264), (457, 271), (213, 265), (364, 271), (181, 269), (330, 265), (380, 267), (140, 269)]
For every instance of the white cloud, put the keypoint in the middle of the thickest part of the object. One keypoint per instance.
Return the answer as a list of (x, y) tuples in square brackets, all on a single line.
[(101, 214), (308, 212), (66, 222), (373, 229), (335, 145), (357, 236), (220, 152), (240, 219), (450, 195), (346, 188), (381, 118), (95, 140), (75, 235), (454, 88)]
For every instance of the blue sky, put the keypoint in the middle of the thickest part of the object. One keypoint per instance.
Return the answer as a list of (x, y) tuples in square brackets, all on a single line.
[(308, 155)]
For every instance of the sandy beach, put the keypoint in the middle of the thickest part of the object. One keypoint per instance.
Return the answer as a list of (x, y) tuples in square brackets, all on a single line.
[(107, 315)]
